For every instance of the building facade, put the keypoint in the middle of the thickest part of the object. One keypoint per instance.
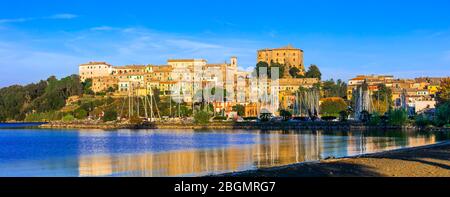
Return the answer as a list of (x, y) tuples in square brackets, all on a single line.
[(416, 95), (94, 69), (184, 79), (289, 56)]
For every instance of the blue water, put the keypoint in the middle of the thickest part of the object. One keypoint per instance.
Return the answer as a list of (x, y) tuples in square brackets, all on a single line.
[(20, 125), (47, 144), (54, 152)]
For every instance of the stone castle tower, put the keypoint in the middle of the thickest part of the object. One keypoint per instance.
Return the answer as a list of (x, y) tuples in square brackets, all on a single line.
[(234, 62)]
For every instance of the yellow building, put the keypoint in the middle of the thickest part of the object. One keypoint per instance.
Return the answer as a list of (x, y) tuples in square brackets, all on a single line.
[(288, 55), (251, 110), (288, 87), (433, 89)]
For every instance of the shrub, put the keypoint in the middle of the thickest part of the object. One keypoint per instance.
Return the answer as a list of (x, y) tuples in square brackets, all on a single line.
[(332, 106), (80, 113), (375, 119), (87, 106), (68, 118), (384, 119), (398, 117), (240, 109), (422, 121), (42, 117), (110, 115), (201, 117)]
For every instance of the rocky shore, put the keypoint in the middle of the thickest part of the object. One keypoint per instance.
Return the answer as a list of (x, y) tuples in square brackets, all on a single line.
[(426, 161)]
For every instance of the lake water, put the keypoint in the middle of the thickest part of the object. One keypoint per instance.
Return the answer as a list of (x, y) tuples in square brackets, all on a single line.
[(45, 152)]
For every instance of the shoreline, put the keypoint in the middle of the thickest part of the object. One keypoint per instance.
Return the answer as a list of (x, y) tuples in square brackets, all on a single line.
[(233, 125), (422, 161)]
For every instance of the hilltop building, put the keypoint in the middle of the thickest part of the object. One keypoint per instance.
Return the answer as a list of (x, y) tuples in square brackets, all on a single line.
[(94, 69), (288, 55)]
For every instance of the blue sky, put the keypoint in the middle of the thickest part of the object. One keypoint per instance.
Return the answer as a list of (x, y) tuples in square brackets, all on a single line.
[(344, 38)]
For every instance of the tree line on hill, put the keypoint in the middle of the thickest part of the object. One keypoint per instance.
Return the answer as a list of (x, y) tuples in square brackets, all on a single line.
[(17, 101)]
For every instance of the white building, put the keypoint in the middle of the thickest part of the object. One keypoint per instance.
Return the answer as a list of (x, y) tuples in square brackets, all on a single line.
[(94, 69)]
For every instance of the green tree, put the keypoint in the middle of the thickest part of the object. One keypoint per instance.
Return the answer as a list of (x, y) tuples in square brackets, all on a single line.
[(68, 118), (281, 68), (398, 117), (201, 117), (287, 115), (240, 109), (332, 107), (257, 72), (185, 110), (334, 89), (443, 114), (295, 72), (110, 115), (56, 93), (313, 72), (443, 94), (11, 101), (50, 95), (80, 113), (87, 86), (375, 119), (422, 120)]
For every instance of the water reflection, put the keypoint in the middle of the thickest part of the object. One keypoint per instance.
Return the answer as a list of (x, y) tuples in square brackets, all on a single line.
[(265, 149), (37, 152)]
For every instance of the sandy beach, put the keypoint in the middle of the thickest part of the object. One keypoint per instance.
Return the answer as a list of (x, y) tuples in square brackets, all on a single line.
[(427, 161)]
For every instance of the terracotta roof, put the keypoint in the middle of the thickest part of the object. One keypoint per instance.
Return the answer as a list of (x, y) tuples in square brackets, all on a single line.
[(95, 63), (358, 78), (130, 67), (288, 47)]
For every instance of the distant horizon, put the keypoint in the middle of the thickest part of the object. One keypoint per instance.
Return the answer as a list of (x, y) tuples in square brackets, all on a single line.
[(39, 39)]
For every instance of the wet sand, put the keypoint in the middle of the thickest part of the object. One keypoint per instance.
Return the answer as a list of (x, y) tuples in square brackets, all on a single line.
[(427, 161)]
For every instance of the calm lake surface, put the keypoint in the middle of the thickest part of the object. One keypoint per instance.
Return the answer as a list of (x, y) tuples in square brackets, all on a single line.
[(45, 152)]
